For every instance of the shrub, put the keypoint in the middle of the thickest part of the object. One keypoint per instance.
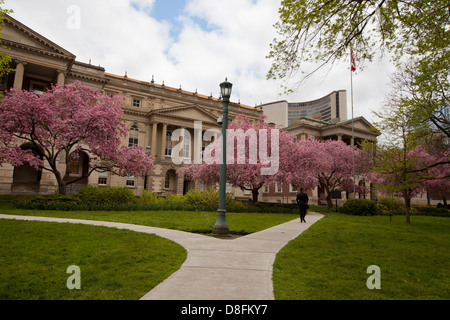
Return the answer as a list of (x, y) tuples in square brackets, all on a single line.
[(175, 200), (208, 198), (391, 204), (149, 198), (108, 195), (360, 207), (432, 211), (48, 202)]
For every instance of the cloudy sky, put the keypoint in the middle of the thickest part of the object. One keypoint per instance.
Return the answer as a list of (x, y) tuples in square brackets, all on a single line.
[(192, 43)]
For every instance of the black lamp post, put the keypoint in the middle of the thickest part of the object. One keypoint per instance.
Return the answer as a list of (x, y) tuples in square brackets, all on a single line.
[(221, 226)]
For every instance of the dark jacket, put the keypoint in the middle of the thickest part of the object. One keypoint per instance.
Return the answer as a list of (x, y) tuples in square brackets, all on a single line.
[(302, 199)]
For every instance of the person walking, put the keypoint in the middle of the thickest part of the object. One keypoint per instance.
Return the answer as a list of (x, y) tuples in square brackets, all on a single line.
[(302, 201)]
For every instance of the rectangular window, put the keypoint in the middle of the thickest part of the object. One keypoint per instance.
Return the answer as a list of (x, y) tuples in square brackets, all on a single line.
[(136, 103), (292, 189), (187, 144), (130, 181), (133, 137), (266, 189), (37, 87), (278, 188), (169, 144), (103, 178)]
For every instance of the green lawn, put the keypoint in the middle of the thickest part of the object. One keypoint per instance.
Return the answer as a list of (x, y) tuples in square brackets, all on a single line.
[(190, 221), (114, 264), (330, 260)]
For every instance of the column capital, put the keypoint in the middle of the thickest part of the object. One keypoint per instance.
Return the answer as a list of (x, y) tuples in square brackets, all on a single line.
[(22, 62)]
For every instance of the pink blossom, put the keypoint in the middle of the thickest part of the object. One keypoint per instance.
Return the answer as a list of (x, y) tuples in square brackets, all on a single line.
[(64, 121)]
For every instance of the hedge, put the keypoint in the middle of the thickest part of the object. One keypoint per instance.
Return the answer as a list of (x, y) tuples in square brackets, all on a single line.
[(360, 207)]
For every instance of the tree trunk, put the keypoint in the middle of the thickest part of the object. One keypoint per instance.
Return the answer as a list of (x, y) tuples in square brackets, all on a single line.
[(329, 201), (407, 208), (255, 194), (62, 184), (328, 197), (62, 187)]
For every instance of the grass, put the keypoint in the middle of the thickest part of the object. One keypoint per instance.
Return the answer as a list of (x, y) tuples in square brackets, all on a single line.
[(330, 260), (190, 221), (114, 264)]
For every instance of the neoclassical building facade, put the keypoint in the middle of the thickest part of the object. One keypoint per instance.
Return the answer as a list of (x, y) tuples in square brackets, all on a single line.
[(152, 112)]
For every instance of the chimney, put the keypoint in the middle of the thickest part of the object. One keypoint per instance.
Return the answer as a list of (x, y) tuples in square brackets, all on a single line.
[(317, 116), (335, 120)]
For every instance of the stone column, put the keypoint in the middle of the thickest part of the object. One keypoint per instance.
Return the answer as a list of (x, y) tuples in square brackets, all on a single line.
[(163, 142), (154, 133), (20, 70), (61, 78), (198, 142)]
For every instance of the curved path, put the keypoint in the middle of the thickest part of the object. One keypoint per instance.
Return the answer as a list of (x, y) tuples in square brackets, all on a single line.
[(215, 269)]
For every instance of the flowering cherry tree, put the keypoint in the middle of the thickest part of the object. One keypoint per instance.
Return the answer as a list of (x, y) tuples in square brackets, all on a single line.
[(434, 168), (256, 156), (62, 123), (333, 165), (400, 172)]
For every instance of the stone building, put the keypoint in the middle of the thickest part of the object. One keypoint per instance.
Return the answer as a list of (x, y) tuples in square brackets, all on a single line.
[(151, 112)]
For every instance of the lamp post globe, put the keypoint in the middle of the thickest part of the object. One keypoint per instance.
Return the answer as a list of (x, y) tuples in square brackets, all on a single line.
[(225, 89)]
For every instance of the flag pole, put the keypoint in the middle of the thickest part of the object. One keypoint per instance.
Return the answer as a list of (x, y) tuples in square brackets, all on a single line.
[(352, 69)]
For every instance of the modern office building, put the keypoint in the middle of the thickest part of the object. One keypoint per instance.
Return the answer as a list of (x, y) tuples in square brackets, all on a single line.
[(284, 113)]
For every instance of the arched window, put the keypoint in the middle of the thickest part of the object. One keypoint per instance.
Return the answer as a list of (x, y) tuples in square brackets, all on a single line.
[(133, 137), (167, 181), (170, 180)]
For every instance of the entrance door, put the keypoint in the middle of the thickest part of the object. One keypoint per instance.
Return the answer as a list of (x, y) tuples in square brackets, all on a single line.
[(187, 185), (26, 179)]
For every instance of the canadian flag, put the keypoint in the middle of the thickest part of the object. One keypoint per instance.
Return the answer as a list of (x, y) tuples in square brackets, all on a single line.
[(352, 60)]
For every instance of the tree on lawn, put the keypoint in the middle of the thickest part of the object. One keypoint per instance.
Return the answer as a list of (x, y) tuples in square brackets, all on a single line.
[(63, 123), (300, 166), (334, 166), (401, 165), (437, 172), (392, 175), (256, 156)]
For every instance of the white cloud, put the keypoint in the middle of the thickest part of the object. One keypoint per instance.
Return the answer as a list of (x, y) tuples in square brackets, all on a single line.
[(216, 39)]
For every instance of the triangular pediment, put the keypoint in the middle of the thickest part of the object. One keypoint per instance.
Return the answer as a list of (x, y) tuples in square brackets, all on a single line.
[(190, 112), (15, 33), (359, 123)]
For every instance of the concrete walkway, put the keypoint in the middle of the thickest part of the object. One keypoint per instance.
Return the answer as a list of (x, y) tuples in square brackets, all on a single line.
[(215, 269)]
